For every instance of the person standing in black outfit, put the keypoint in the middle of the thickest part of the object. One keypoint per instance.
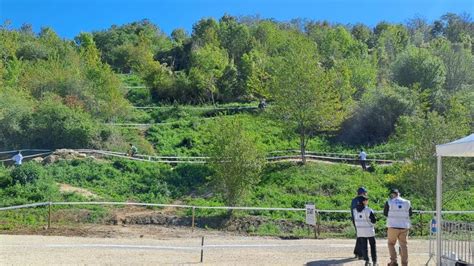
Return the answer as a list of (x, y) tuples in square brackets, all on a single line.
[(355, 201)]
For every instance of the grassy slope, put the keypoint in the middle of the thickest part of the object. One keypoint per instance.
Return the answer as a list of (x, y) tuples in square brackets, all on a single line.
[(330, 186)]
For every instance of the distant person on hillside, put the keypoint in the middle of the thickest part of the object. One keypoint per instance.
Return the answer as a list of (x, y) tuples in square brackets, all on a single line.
[(355, 201), (363, 160), (18, 158), (133, 150), (364, 220), (263, 104), (398, 211)]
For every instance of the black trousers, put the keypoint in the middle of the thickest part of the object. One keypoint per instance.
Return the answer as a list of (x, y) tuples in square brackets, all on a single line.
[(364, 249), (357, 250), (363, 163)]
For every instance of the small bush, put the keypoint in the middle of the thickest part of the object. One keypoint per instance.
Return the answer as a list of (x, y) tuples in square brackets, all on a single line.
[(26, 173), (269, 229), (5, 177)]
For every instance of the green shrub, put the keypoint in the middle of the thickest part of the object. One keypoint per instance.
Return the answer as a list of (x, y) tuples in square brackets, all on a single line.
[(189, 177), (269, 229), (44, 189), (55, 125), (26, 173), (5, 177)]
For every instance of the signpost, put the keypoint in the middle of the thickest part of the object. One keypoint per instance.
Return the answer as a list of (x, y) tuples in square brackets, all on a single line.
[(311, 216)]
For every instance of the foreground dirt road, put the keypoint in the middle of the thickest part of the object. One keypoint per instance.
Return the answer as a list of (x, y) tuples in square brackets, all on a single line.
[(182, 247)]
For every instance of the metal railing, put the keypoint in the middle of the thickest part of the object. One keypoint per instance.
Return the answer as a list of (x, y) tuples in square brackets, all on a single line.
[(198, 107), (457, 243), (5, 156), (310, 156), (274, 156)]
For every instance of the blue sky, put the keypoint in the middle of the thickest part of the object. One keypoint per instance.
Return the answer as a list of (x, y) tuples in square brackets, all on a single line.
[(70, 17)]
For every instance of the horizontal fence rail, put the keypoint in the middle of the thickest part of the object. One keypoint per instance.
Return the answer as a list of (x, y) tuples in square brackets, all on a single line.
[(5, 156), (318, 212), (335, 157), (197, 107), (286, 155), (205, 207)]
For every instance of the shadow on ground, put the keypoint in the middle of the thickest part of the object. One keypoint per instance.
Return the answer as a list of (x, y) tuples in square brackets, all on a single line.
[(330, 262)]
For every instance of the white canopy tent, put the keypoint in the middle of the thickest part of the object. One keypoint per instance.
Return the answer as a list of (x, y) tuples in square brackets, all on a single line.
[(459, 148)]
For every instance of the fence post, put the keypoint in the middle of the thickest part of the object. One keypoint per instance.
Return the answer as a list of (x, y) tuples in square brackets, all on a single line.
[(202, 250), (421, 224), (49, 215), (318, 223), (192, 219)]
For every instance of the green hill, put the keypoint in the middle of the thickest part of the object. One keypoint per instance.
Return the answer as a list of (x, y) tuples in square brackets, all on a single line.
[(396, 90)]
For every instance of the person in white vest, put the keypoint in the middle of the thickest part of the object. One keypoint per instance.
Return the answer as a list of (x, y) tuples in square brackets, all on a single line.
[(398, 212), (362, 191), (18, 158), (364, 219)]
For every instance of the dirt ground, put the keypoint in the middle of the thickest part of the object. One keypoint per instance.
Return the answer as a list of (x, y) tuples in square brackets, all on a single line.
[(158, 245)]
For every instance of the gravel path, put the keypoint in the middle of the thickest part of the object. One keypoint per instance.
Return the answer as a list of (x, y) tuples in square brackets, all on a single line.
[(219, 250)]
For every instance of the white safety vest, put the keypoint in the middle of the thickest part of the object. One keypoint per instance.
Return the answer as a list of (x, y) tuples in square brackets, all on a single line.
[(365, 228), (398, 213)]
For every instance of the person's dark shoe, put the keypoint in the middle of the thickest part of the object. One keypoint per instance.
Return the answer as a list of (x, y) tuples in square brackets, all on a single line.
[(367, 263)]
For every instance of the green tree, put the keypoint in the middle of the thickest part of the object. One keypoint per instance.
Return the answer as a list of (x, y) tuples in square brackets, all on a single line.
[(205, 32), (335, 44), (458, 62), (179, 36), (16, 106), (228, 84), (111, 41), (362, 33), (308, 99), (454, 27), (235, 158), (235, 37), (420, 134), (376, 115), (418, 66), (362, 76), (161, 82), (418, 69), (256, 77), (208, 64), (390, 41), (419, 30), (55, 125)]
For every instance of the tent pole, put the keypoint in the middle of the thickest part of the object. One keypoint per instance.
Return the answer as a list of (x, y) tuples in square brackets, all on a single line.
[(439, 195)]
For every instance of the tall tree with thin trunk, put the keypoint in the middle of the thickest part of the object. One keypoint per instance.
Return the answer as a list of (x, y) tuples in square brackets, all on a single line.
[(308, 99)]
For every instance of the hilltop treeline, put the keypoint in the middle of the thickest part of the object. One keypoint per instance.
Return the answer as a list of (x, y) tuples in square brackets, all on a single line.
[(56, 92)]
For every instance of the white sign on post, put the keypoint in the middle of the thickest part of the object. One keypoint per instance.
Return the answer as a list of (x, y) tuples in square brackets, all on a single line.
[(310, 214)]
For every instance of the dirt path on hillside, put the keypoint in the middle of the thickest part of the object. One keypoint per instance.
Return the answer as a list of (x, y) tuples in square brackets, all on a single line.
[(66, 188)]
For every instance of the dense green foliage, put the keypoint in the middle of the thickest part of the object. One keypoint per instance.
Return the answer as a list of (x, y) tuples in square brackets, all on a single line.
[(330, 87), (414, 66)]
